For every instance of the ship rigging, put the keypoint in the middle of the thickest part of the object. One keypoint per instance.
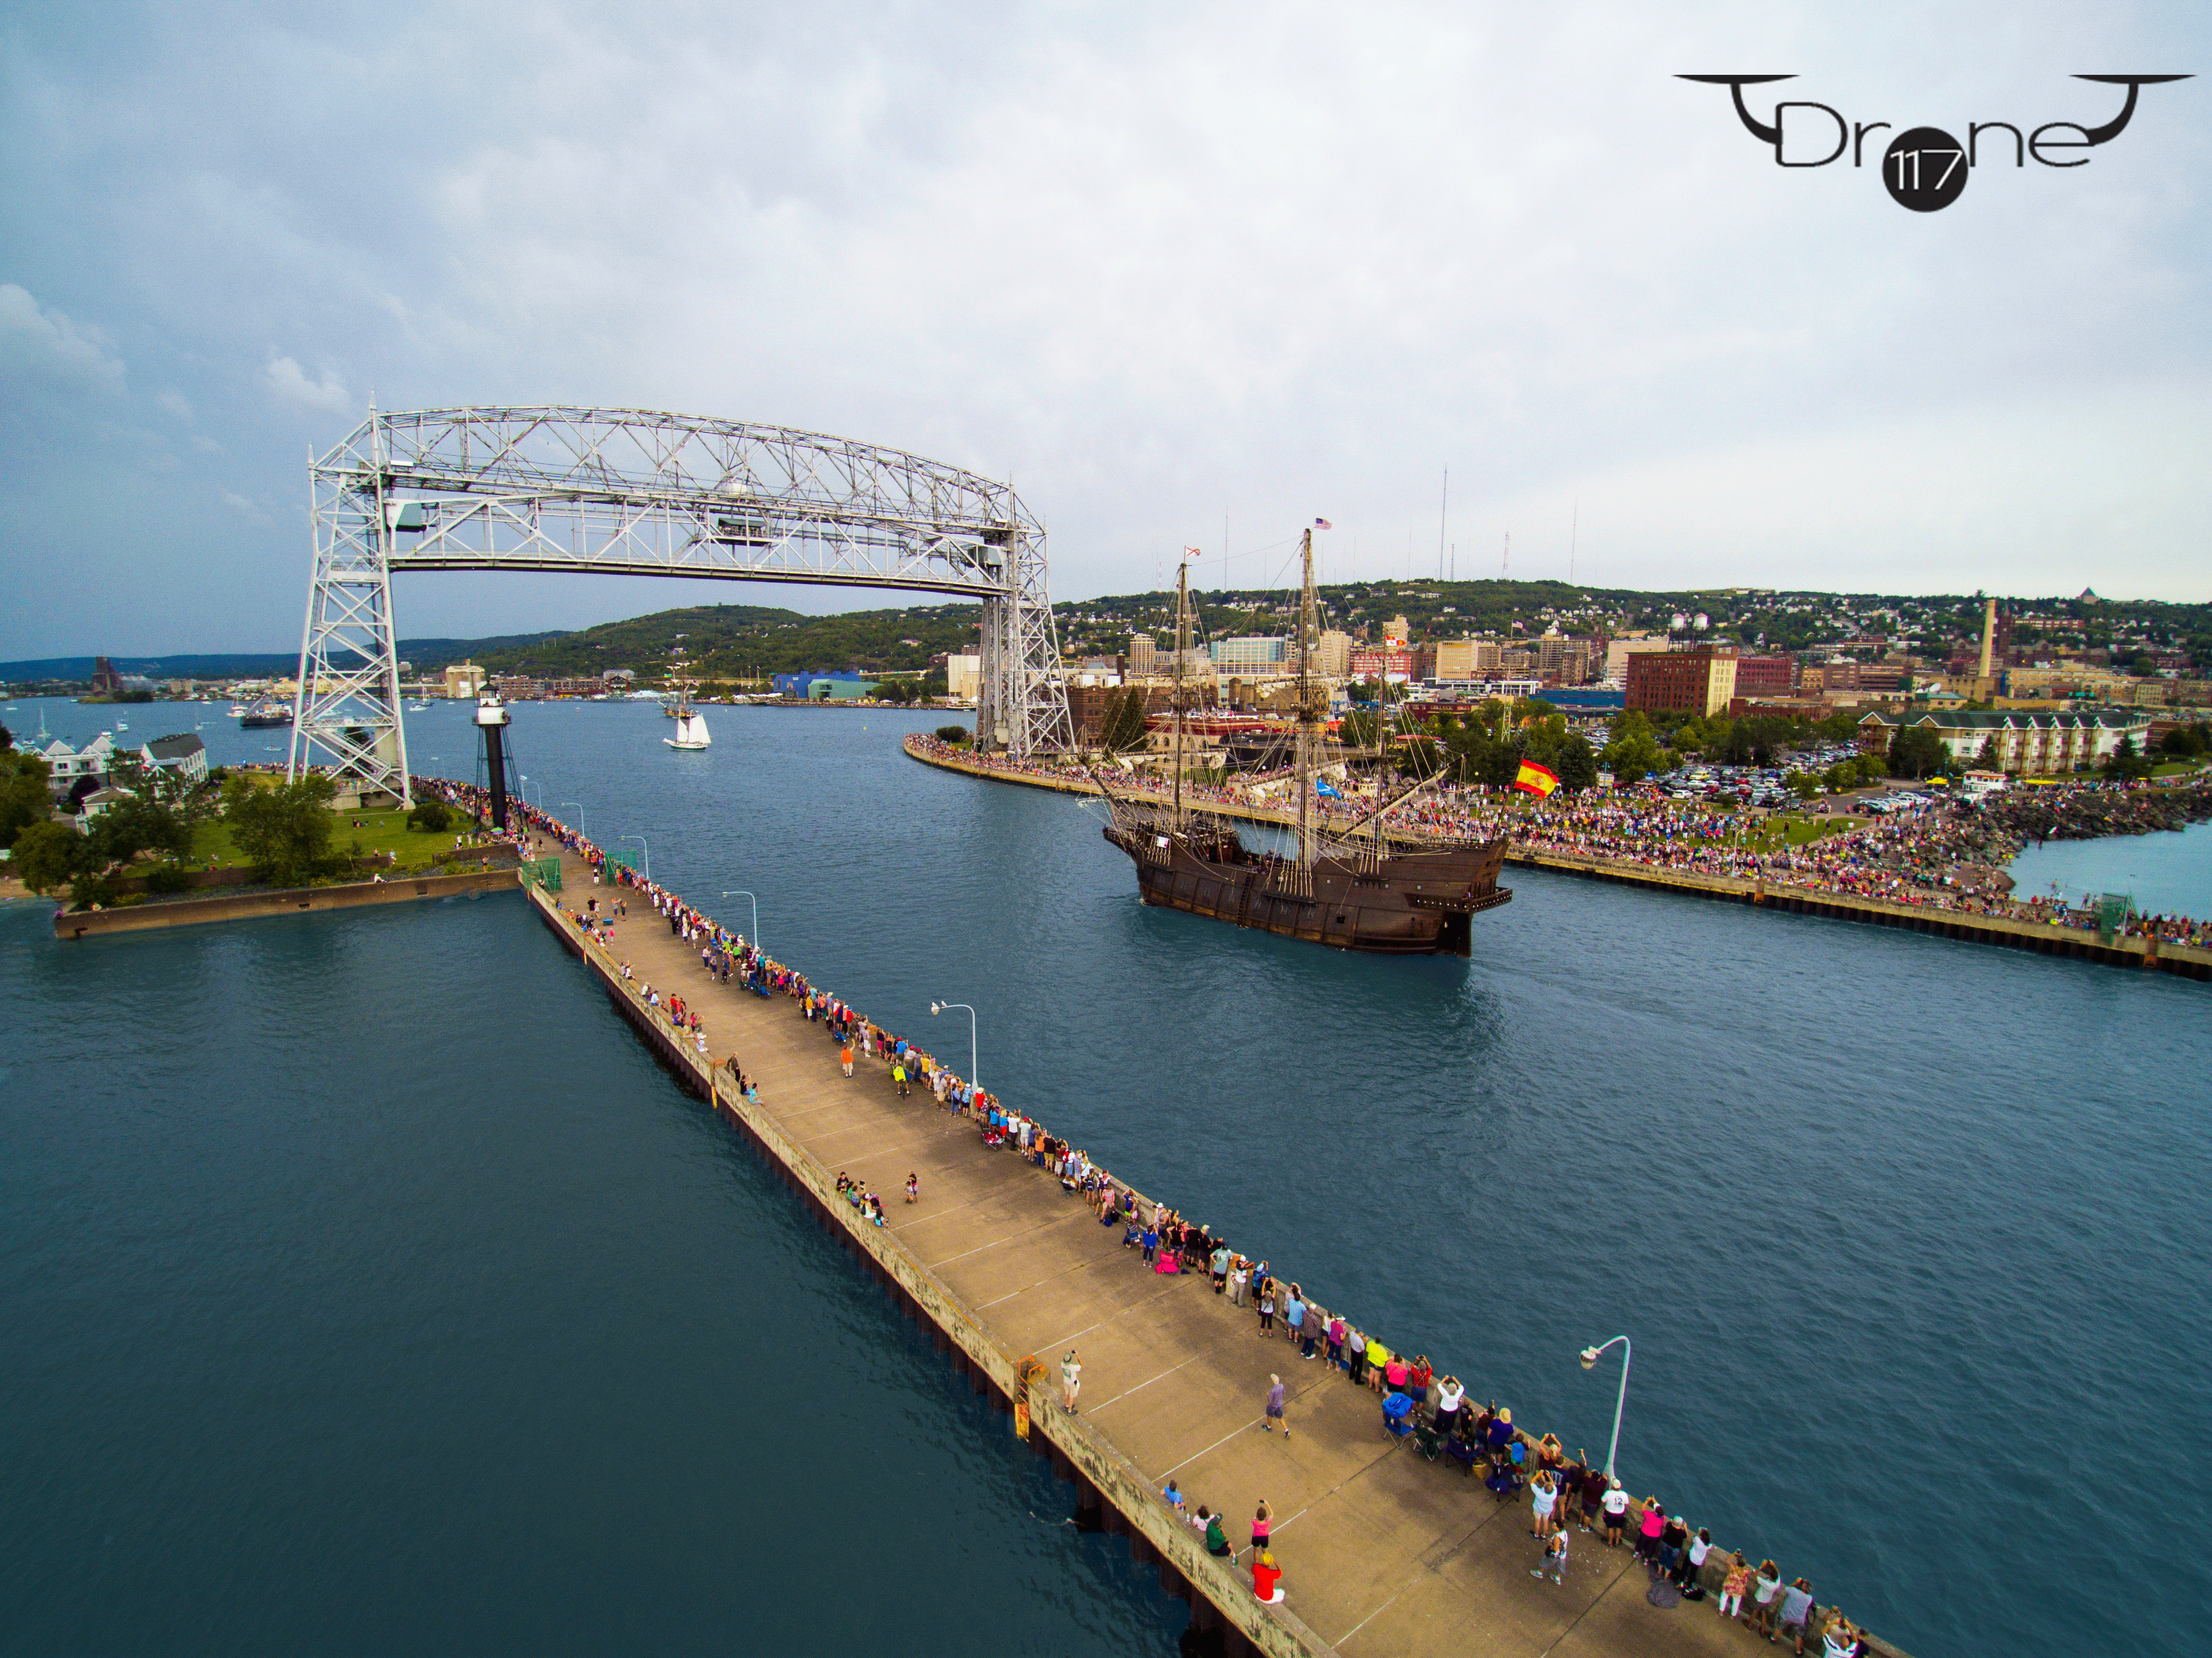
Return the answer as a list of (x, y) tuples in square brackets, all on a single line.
[(1341, 891)]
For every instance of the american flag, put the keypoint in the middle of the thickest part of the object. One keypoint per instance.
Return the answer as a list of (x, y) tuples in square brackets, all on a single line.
[(1324, 524)]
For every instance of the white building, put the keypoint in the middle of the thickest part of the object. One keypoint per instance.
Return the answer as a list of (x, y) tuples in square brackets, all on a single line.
[(66, 766), (964, 678), (183, 754)]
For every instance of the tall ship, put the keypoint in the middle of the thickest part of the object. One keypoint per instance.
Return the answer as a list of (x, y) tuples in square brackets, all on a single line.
[(690, 725), (1346, 890)]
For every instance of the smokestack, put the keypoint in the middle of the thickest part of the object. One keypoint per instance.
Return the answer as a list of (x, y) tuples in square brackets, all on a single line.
[(1989, 633)]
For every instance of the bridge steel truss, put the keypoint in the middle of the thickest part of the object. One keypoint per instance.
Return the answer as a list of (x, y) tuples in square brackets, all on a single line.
[(640, 492)]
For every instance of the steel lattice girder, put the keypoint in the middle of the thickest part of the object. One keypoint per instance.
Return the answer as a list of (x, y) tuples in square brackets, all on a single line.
[(640, 492)]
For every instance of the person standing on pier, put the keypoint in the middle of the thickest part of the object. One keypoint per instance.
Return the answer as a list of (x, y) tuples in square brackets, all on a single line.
[(1276, 1398), (1070, 1379), (845, 1058), (912, 1185)]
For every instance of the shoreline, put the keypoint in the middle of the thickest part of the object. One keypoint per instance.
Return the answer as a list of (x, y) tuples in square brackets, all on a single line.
[(2045, 939)]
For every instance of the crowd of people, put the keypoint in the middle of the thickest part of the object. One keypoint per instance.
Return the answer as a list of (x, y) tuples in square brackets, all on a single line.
[(1930, 852), (1430, 1412)]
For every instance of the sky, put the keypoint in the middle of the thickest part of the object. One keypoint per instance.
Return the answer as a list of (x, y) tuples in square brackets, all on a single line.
[(1169, 268)]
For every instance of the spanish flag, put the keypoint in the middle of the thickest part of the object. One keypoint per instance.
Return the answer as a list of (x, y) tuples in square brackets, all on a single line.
[(1537, 779)]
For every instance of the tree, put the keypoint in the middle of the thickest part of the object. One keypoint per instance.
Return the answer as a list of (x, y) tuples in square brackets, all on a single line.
[(49, 854), (1632, 749), (24, 798), (1987, 759), (952, 733), (284, 828), (1916, 751), (1122, 725), (1575, 763), (435, 816), (2125, 764)]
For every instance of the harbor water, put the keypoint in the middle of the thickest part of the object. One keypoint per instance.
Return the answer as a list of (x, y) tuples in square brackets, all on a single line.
[(371, 1287)]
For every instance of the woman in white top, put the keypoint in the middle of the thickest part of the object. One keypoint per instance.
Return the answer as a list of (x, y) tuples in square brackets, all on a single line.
[(1543, 1497)]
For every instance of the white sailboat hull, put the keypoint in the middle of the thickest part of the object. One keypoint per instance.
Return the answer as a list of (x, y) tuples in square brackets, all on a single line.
[(691, 733)]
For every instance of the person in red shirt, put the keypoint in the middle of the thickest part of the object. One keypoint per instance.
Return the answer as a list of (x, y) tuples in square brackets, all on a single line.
[(1266, 1577)]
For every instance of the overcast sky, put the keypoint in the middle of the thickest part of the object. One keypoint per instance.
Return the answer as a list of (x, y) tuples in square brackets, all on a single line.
[(1159, 264)]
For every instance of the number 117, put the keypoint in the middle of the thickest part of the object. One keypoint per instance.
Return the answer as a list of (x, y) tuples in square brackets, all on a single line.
[(1914, 155)]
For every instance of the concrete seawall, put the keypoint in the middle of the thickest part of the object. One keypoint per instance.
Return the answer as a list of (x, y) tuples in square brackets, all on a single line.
[(1383, 1553), (2002, 931), (292, 901)]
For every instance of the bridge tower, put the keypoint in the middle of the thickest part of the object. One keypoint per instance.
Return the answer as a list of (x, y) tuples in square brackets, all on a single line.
[(348, 701)]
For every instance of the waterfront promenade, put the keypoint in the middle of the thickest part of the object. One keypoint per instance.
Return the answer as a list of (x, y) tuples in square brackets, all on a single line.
[(2009, 931), (1381, 1552)]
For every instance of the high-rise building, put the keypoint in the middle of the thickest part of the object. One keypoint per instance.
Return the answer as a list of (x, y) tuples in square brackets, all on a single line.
[(1332, 655), (1141, 653), (1700, 681), (1251, 655)]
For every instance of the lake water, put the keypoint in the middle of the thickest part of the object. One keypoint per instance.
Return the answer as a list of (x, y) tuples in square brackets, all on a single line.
[(372, 1288), (2167, 874)]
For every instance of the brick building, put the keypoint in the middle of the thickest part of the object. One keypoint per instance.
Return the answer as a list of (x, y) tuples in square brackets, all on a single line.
[(1700, 681)]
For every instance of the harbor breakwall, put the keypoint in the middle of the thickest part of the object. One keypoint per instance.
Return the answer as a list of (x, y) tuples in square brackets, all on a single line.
[(189, 911), (2002, 931)]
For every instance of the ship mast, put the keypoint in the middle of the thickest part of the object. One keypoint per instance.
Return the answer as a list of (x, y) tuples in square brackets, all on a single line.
[(1310, 716), (1182, 651)]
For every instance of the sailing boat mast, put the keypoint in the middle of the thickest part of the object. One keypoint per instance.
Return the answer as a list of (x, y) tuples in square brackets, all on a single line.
[(1309, 714), (1182, 651)]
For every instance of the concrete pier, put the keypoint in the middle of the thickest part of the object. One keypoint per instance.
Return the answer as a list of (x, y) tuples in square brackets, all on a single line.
[(1382, 1552), (2003, 930)]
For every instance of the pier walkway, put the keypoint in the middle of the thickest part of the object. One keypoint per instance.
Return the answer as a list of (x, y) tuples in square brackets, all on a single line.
[(1381, 1552)]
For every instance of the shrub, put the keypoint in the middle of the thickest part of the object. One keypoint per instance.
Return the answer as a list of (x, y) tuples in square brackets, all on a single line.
[(436, 815), (952, 733), (167, 877)]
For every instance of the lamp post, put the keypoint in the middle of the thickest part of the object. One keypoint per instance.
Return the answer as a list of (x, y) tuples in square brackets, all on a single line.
[(973, 1081), (1589, 1358), (739, 892), (640, 839), (579, 816)]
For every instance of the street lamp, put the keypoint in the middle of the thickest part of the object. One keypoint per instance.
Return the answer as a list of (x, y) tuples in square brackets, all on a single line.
[(640, 839), (973, 1081), (579, 816), (739, 892), (1589, 1358)]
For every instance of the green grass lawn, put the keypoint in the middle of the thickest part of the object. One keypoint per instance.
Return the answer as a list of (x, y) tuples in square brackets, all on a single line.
[(374, 832)]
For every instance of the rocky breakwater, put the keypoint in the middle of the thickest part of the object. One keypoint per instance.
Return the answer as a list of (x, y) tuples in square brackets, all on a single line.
[(2026, 817)]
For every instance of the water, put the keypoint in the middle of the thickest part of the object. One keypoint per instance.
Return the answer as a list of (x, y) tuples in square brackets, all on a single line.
[(489, 1330), (2167, 874)]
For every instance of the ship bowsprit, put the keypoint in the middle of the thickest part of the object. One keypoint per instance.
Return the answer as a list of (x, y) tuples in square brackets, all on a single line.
[(1394, 903)]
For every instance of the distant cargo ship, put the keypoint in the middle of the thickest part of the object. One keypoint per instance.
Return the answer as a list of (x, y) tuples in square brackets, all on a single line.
[(262, 715), (1352, 894)]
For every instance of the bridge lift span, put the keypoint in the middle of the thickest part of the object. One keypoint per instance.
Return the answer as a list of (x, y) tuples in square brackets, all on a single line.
[(639, 492)]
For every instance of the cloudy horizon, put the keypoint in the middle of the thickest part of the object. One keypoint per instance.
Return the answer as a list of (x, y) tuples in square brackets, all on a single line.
[(1163, 267)]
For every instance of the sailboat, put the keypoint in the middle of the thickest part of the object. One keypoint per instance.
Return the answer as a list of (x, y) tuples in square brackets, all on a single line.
[(1338, 890), (690, 725)]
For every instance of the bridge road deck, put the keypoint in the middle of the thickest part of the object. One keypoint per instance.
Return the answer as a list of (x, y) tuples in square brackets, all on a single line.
[(1381, 1552)]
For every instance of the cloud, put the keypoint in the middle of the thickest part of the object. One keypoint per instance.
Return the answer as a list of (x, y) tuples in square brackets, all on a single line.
[(285, 378), (42, 340), (174, 403), (252, 509)]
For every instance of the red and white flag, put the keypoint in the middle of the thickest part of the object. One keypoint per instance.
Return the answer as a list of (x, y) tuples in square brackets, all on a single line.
[(1193, 552)]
